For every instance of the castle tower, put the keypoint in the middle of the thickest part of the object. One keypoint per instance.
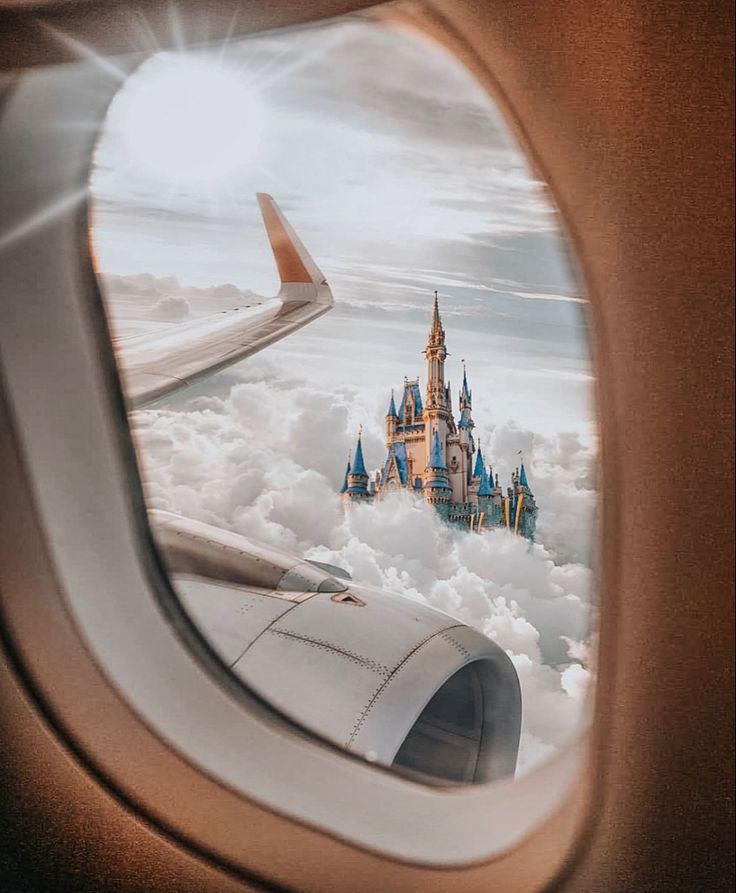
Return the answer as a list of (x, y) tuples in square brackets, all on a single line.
[(436, 481), (356, 477), (525, 517), (437, 413), (495, 486), (392, 421), (466, 395), (436, 353), (478, 469), (485, 492), (465, 427), (475, 476)]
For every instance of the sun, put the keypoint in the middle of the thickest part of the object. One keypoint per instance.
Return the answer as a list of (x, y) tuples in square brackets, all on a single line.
[(184, 118)]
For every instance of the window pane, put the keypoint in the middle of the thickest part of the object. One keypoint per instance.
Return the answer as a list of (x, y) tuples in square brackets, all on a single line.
[(382, 515)]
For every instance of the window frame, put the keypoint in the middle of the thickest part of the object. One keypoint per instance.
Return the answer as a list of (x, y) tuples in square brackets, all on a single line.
[(115, 617)]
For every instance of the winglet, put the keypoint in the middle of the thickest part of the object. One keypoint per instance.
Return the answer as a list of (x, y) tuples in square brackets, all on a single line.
[(296, 267)]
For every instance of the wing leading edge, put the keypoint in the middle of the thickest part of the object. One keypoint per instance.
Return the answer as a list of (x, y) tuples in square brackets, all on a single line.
[(157, 366)]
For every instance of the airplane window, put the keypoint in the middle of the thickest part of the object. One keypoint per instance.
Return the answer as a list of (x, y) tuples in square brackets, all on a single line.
[(375, 490)]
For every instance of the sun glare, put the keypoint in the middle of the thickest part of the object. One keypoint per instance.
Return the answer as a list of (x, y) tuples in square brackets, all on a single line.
[(186, 119)]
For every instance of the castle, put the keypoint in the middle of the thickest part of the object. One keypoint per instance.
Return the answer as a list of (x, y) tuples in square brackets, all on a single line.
[(431, 454)]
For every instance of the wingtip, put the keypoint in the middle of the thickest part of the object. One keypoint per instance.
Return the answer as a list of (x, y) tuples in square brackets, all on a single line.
[(295, 264)]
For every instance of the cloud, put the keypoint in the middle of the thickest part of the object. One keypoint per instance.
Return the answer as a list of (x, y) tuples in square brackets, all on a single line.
[(266, 459), (172, 307)]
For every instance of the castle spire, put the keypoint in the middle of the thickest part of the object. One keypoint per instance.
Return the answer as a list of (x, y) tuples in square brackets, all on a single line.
[(522, 475), (436, 460), (478, 470), (436, 322), (356, 478), (466, 395), (437, 331), (485, 488), (436, 353), (392, 421), (359, 464)]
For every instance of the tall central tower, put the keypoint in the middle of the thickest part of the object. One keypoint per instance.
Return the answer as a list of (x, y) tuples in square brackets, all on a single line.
[(438, 409), (436, 353)]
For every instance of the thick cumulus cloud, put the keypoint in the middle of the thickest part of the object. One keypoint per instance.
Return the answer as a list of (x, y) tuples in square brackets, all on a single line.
[(173, 307), (266, 460)]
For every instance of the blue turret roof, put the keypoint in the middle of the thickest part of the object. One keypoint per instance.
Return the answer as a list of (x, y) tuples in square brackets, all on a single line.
[(464, 419), (415, 391), (436, 460), (485, 488), (359, 464), (344, 487), (522, 476), (478, 470), (392, 407), (396, 451)]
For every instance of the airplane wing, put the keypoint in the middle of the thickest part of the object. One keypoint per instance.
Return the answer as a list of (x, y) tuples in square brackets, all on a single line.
[(157, 365)]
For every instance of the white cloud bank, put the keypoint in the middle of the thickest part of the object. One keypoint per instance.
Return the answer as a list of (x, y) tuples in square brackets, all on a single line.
[(266, 461)]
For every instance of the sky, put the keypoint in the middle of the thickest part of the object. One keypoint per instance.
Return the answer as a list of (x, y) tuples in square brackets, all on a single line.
[(398, 187), (401, 177)]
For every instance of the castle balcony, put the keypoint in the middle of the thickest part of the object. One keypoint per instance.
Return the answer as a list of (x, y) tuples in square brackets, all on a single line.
[(418, 428)]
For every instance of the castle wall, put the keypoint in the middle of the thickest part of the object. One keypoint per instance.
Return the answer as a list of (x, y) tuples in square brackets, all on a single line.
[(458, 472), (433, 422), (457, 482), (417, 456)]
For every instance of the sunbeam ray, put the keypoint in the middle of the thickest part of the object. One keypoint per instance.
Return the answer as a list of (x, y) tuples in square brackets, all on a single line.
[(41, 218), (225, 43), (146, 33), (86, 52), (322, 48), (177, 32)]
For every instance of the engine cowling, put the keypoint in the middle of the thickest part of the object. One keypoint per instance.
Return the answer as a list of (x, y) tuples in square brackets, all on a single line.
[(389, 678)]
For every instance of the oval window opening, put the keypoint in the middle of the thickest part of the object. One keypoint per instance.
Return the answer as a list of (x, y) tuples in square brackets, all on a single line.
[(375, 491)]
